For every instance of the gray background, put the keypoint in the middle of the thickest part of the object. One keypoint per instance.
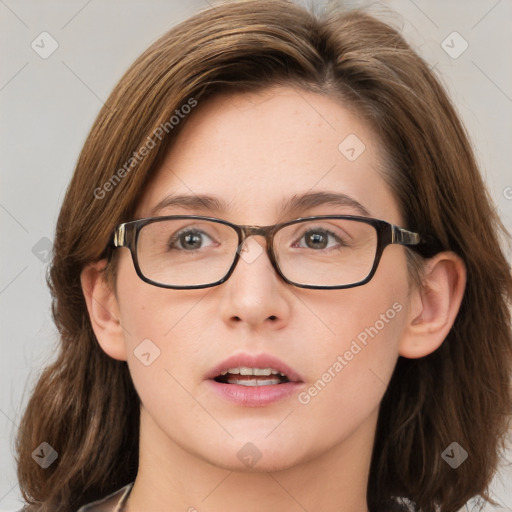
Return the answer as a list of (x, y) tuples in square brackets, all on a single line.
[(48, 106)]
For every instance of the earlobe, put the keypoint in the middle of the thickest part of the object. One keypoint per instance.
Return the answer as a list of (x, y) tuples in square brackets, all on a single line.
[(103, 310), (434, 305)]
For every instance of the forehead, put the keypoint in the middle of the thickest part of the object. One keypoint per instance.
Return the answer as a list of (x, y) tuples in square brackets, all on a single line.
[(257, 151)]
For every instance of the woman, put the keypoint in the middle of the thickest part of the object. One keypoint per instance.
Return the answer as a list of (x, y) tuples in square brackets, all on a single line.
[(277, 280)]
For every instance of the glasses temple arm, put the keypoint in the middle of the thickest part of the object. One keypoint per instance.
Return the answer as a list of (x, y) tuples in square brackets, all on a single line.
[(426, 244), (118, 239)]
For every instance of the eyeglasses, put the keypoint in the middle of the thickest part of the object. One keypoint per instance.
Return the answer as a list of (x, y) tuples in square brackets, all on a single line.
[(322, 252)]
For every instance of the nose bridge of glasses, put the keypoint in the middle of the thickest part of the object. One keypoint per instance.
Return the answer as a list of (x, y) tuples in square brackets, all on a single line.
[(264, 231), (248, 231)]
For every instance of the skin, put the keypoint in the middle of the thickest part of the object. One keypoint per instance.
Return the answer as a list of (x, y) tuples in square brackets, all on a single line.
[(255, 151)]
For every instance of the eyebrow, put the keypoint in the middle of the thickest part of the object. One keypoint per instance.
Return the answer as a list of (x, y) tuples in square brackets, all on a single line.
[(295, 204)]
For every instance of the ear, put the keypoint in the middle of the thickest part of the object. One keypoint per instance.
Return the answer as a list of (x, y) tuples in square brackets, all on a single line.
[(103, 310), (434, 305)]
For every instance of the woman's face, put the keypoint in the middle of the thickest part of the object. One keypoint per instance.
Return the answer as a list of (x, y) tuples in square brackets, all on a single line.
[(256, 152)]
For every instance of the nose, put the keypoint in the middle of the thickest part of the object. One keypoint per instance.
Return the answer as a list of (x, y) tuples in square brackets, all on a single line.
[(254, 294)]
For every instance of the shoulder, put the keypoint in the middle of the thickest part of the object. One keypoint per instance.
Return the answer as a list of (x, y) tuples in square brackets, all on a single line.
[(108, 503)]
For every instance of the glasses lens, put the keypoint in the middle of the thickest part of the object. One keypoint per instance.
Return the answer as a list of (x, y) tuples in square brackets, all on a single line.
[(326, 252), (186, 252)]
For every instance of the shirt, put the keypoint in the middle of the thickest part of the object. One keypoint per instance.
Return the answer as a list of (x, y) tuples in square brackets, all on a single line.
[(112, 503)]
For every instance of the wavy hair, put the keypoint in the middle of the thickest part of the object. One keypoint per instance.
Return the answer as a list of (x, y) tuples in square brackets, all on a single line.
[(461, 392)]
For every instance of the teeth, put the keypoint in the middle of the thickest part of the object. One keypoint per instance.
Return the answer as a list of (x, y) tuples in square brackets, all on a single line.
[(243, 370), (255, 382)]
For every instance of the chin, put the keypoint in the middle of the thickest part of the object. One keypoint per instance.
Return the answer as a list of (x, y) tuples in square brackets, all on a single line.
[(256, 457)]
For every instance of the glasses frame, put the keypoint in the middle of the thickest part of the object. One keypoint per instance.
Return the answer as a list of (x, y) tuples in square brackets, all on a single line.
[(127, 235)]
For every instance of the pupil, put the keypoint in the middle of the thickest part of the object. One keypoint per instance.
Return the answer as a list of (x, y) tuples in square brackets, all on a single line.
[(316, 241), (190, 240)]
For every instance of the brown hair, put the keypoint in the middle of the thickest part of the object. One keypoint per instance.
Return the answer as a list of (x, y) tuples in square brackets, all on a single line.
[(461, 392)]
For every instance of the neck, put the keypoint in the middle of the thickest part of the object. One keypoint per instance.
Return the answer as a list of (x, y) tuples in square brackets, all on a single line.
[(172, 478)]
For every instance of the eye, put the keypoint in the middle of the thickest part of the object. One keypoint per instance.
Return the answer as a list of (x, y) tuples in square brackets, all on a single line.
[(319, 239), (188, 240)]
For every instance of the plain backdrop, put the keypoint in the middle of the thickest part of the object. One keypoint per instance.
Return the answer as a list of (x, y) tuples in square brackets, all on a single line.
[(48, 106)]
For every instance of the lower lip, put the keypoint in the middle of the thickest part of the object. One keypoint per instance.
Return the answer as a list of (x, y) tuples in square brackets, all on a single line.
[(255, 396)]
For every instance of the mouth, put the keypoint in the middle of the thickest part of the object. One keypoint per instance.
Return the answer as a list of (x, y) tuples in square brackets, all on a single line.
[(251, 380), (245, 376), (253, 370)]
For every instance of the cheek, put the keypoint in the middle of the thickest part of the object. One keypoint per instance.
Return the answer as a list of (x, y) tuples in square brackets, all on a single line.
[(148, 311), (158, 329), (353, 361)]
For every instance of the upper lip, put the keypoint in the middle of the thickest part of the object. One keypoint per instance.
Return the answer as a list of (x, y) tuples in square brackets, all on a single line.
[(254, 361)]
